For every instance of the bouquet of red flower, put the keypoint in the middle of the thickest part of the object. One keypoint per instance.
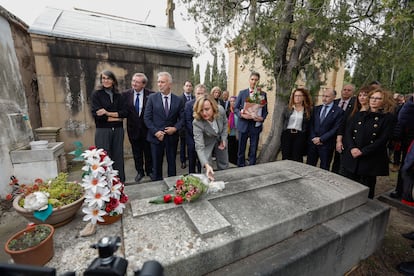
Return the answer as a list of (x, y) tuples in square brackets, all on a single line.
[(254, 103), (188, 188)]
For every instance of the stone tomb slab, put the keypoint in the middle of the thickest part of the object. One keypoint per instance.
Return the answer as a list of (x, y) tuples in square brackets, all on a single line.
[(261, 206)]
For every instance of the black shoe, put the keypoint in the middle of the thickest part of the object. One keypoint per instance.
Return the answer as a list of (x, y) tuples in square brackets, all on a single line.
[(183, 165), (138, 177), (409, 236), (406, 268), (395, 194)]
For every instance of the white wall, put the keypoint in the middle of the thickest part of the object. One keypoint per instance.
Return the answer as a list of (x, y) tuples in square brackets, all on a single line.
[(14, 129)]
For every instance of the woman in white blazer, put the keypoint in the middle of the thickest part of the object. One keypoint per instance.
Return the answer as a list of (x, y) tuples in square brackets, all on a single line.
[(210, 134)]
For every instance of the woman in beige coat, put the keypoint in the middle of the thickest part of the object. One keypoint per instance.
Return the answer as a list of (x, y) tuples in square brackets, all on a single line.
[(210, 134)]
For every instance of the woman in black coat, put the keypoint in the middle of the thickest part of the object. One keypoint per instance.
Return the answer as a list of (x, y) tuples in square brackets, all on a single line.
[(365, 141), (296, 120)]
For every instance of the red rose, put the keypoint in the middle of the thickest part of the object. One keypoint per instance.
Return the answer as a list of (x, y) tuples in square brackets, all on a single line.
[(9, 197), (179, 183), (124, 198), (167, 198), (178, 200), (92, 147)]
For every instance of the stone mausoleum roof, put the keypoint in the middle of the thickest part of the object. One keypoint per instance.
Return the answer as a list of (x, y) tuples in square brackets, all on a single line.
[(108, 29)]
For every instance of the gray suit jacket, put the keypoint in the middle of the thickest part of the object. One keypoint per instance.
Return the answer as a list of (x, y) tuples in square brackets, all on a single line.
[(207, 140)]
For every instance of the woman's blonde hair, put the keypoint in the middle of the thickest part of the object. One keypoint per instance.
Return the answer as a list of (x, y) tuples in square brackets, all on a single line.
[(214, 89), (198, 106)]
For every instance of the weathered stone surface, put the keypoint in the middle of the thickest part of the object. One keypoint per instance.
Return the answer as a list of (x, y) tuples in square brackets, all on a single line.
[(281, 218), (261, 206)]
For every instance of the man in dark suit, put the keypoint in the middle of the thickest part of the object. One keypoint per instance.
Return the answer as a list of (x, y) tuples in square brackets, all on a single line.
[(225, 101), (325, 121), (249, 126), (186, 97), (135, 99), (164, 116), (346, 102), (200, 90)]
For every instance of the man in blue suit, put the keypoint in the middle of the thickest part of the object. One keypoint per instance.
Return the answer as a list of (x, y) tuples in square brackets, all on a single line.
[(186, 97), (249, 126), (325, 121), (164, 116), (200, 90)]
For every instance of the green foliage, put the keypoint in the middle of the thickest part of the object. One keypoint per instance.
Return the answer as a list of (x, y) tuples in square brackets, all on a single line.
[(30, 238), (196, 77), (389, 57), (61, 192), (207, 78), (215, 73), (223, 75)]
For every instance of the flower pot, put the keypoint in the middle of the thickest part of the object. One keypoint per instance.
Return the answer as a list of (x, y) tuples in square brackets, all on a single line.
[(60, 216), (109, 219), (36, 255)]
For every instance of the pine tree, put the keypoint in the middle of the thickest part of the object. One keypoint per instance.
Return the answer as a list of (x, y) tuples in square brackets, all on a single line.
[(223, 74), (207, 77), (214, 73), (196, 76)]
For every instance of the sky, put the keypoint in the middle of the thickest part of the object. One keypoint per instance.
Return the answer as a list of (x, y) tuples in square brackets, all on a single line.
[(147, 11)]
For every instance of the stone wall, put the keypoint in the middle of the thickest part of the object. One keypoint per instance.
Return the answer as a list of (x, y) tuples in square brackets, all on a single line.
[(68, 72), (18, 93)]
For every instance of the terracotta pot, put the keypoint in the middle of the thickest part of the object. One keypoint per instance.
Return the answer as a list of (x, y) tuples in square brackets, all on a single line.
[(60, 216), (37, 255), (110, 219)]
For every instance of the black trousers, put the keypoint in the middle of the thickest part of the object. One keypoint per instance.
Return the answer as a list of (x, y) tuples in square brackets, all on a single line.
[(366, 180), (141, 150), (112, 141), (293, 145)]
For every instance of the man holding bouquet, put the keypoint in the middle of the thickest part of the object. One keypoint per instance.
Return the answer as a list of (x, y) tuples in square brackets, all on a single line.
[(251, 108)]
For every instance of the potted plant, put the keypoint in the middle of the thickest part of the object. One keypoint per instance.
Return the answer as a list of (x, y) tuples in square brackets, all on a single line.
[(104, 192), (54, 202), (31, 246)]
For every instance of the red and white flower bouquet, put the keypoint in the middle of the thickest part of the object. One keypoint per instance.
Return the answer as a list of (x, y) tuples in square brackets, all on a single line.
[(254, 103), (188, 188), (104, 192)]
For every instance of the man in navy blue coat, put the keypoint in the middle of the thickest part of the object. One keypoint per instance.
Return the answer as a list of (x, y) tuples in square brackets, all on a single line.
[(186, 97), (248, 126), (137, 130), (164, 116), (200, 90), (325, 121)]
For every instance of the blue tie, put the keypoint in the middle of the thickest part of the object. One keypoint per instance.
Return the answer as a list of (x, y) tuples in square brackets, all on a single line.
[(137, 103), (324, 112)]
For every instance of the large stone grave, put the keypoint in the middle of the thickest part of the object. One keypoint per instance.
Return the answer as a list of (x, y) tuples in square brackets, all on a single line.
[(280, 218)]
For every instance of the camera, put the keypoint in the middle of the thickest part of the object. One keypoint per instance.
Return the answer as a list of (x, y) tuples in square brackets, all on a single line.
[(105, 264)]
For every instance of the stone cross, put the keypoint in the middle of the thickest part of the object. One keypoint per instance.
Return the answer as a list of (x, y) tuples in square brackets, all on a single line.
[(169, 12)]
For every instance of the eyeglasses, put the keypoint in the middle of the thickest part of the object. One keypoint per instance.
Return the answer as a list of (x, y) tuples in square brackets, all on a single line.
[(375, 98), (106, 78)]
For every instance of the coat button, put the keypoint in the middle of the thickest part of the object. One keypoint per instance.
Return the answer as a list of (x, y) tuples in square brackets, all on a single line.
[(375, 125)]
